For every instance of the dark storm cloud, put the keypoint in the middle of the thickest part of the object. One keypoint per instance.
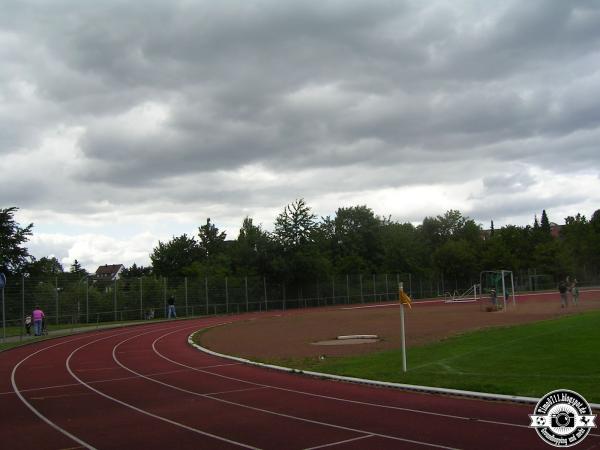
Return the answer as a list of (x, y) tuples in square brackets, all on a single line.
[(440, 92)]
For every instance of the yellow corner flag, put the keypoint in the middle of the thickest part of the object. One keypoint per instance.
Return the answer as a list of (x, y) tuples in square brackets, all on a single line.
[(405, 299)]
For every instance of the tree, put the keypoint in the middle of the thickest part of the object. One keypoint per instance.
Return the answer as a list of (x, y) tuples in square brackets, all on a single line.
[(250, 250), (136, 271), (456, 260), (44, 266), (13, 255), (171, 258), (77, 269), (212, 242), (357, 233), (295, 226), (545, 223)]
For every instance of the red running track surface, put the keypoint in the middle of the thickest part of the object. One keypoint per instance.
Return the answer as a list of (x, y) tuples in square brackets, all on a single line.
[(145, 387)]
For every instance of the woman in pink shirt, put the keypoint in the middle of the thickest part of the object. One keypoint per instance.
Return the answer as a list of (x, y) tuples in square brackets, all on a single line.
[(38, 316)]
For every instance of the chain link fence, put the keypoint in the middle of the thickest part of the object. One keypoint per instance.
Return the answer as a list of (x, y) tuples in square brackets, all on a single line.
[(70, 301)]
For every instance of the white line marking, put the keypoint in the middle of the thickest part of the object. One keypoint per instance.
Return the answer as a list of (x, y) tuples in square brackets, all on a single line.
[(241, 405), (450, 416), (33, 409), (135, 408), (233, 391), (340, 442)]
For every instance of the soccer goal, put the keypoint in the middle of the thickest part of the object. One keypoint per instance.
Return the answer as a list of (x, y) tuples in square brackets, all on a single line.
[(500, 286)]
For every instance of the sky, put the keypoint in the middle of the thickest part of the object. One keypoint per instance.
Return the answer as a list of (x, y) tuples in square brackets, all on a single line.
[(123, 123)]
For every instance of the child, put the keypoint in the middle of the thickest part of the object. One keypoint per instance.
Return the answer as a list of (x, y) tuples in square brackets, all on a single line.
[(28, 324)]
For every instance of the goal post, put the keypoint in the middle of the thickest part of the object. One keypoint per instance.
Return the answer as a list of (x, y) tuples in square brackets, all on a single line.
[(502, 281)]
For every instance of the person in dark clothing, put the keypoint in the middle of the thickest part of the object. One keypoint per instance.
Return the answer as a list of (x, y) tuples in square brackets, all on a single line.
[(171, 311), (562, 289)]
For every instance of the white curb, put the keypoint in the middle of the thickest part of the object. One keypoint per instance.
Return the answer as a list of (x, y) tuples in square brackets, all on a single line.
[(406, 387)]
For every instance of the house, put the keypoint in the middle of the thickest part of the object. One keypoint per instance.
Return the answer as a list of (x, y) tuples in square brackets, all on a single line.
[(109, 272)]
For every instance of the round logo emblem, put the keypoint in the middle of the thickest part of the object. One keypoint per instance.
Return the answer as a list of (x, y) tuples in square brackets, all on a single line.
[(562, 418)]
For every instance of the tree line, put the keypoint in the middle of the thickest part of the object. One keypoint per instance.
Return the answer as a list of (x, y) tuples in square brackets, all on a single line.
[(303, 247)]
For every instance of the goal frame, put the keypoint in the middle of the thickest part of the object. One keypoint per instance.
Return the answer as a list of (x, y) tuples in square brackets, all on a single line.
[(503, 273)]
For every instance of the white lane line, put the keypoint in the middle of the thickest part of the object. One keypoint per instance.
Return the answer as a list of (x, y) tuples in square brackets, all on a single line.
[(33, 408), (253, 408), (331, 444), (356, 402), (233, 391), (377, 405), (110, 380), (47, 397), (135, 408)]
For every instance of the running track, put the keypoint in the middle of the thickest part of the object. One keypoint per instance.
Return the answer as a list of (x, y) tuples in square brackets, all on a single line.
[(145, 387)]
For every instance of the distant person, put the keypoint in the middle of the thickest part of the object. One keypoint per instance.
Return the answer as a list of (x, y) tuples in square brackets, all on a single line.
[(28, 324), (494, 298), (574, 292), (562, 289), (38, 317), (172, 307)]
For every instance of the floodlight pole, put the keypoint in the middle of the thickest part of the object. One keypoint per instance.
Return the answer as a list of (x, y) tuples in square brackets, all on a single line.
[(402, 335)]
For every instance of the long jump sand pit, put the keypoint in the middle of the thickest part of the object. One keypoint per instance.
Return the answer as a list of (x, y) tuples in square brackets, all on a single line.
[(292, 334)]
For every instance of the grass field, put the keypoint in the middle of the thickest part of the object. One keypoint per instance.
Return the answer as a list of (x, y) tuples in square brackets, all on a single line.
[(528, 360)]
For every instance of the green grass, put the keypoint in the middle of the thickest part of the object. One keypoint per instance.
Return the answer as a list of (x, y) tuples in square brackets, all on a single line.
[(528, 360)]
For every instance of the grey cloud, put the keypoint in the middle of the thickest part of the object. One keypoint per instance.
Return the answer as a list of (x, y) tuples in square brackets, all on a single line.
[(438, 92)]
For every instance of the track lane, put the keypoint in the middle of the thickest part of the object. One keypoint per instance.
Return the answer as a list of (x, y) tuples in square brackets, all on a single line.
[(164, 357)]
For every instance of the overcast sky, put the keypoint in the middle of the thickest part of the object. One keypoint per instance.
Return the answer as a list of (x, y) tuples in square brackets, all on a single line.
[(122, 123)]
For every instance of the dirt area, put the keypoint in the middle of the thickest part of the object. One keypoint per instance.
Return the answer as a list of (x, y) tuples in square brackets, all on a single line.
[(293, 334)]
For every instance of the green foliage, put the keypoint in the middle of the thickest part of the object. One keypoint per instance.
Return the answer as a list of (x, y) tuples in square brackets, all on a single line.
[(171, 258), (295, 226), (13, 255), (44, 266), (212, 242)]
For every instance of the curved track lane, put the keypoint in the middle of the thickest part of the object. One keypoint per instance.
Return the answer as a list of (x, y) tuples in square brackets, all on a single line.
[(145, 387)]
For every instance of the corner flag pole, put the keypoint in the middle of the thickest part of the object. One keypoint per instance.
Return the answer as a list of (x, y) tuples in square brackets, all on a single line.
[(402, 336)]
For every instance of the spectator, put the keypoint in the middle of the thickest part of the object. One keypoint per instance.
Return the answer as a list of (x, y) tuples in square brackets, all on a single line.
[(28, 324), (38, 317), (562, 289), (494, 298), (574, 292), (172, 307)]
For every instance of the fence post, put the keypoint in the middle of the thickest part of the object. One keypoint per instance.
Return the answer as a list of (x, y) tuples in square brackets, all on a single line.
[(22, 306), (374, 289), (165, 296), (115, 299), (347, 289), (409, 285), (362, 300), (206, 293), (333, 289), (186, 297), (265, 287), (284, 295), (246, 290), (141, 298), (87, 299), (226, 297), (56, 297), (387, 288), (2, 285)]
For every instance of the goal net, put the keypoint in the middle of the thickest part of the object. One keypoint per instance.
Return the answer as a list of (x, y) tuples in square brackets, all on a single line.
[(499, 287)]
